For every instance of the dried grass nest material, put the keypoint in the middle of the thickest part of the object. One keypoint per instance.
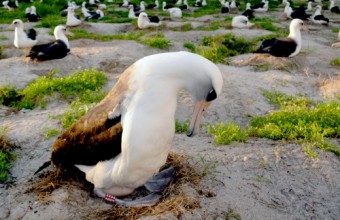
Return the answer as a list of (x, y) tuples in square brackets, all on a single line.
[(277, 63), (173, 200)]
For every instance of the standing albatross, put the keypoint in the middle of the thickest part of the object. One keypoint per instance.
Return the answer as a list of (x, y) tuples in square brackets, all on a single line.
[(123, 141), (285, 47)]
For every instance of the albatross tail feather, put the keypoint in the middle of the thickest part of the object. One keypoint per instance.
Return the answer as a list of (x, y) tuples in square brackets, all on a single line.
[(46, 164)]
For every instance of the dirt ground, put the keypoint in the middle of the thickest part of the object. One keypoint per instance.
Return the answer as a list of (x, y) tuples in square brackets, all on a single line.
[(259, 179)]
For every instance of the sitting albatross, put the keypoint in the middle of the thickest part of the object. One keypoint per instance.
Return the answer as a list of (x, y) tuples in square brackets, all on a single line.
[(54, 50), (125, 139), (23, 39), (285, 47)]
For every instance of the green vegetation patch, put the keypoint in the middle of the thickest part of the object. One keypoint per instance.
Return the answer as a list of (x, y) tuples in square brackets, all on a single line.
[(182, 127), (38, 92), (297, 119), (225, 133), (6, 156), (219, 48), (80, 107), (157, 41), (335, 62)]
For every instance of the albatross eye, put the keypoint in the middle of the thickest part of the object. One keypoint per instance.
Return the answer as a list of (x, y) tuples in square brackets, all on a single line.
[(211, 95)]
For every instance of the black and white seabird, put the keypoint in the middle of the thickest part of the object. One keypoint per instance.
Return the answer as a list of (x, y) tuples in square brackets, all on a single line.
[(249, 13), (145, 21), (21, 38), (95, 15), (54, 50), (300, 13), (175, 13), (72, 20), (333, 8), (241, 21), (153, 6), (318, 18), (125, 139), (225, 7), (32, 16), (285, 47)]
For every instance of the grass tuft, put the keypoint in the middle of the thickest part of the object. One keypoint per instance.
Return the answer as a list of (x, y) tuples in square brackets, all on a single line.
[(6, 156), (157, 41), (225, 133), (335, 62), (42, 89), (299, 119), (181, 127)]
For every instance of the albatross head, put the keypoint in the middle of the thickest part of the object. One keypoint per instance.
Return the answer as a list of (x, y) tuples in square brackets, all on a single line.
[(294, 29), (60, 33), (204, 88), (17, 23)]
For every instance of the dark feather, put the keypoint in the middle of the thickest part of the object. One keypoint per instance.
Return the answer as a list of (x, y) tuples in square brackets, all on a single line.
[(248, 13), (321, 18), (154, 19), (50, 51), (224, 10), (32, 18), (31, 33), (335, 9), (94, 137), (256, 6), (277, 47), (300, 13)]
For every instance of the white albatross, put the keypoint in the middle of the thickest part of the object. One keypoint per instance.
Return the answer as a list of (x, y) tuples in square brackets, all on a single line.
[(144, 21), (21, 38), (241, 21), (123, 141), (72, 21), (285, 47)]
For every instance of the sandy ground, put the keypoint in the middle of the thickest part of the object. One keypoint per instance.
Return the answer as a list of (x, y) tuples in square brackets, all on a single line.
[(259, 179)]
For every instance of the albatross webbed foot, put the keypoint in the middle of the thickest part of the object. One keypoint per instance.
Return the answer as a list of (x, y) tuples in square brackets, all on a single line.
[(160, 181), (155, 185)]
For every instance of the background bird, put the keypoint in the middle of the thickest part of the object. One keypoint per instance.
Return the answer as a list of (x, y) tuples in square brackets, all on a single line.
[(23, 39), (285, 47), (54, 50)]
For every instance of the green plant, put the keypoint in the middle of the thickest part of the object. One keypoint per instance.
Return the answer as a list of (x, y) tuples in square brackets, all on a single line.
[(189, 46), (8, 95), (49, 133), (181, 127), (1, 51), (6, 156), (219, 48), (280, 99), (42, 89), (157, 41), (231, 215), (80, 107), (225, 133), (335, 62), (299, 119)]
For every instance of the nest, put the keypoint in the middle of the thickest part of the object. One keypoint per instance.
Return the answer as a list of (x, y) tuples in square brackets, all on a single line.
[(173, 200), (265, 62)]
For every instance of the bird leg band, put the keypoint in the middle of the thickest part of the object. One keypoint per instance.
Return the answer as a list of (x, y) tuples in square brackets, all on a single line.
[(110, 198)]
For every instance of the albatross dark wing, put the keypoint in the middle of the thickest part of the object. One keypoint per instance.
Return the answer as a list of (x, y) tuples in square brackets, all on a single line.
[(94, 137), (32, 34), (277, 47), (50, 51)]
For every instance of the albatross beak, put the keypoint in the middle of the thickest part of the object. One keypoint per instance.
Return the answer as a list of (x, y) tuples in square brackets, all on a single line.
[(67, 32), (305, 28), (200, 107), (10, 27)]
